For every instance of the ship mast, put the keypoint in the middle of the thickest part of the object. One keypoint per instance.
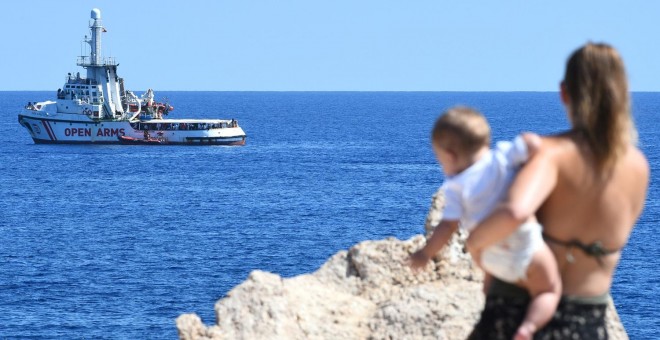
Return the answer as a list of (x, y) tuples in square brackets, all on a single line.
[(96, 29), (102, 73)]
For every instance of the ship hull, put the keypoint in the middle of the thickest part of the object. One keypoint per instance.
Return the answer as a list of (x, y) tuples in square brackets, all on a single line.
[(51, 130), (237, 142)]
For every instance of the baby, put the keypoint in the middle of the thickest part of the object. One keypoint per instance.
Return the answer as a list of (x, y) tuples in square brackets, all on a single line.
[(477, 179)]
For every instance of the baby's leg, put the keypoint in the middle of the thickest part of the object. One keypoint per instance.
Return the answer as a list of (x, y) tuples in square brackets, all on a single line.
[(544, 285)]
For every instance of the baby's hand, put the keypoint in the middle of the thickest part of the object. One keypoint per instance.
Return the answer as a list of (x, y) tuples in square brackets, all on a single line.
[(533, 142), (418, 260)]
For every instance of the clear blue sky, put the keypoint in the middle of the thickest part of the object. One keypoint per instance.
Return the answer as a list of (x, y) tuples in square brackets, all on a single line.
[(308, 45)]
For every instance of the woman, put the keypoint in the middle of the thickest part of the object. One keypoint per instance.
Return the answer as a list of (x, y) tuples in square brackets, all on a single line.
[(587, 187)]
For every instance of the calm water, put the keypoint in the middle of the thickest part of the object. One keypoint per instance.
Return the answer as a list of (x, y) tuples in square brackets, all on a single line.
[(117, 241)]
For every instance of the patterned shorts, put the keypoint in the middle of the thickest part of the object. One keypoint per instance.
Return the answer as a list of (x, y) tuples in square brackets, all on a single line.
[(573, 319)]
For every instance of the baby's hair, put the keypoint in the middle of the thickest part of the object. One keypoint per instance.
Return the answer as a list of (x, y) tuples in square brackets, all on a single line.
[(461, 130)]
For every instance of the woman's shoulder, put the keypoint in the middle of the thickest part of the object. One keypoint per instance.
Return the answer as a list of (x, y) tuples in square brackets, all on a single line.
[(636, 154), (636, 163), (558, 144), (636, 171)]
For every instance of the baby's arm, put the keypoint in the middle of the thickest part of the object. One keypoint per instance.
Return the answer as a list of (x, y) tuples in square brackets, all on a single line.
[(533, 142), (439, 239)]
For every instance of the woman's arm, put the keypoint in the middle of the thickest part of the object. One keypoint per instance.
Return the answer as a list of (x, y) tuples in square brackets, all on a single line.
[(530, 188)]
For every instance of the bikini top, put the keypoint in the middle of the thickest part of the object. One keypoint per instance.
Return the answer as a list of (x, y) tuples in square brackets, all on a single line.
[(594, 249)]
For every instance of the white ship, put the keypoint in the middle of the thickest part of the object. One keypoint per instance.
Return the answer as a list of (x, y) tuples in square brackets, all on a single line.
[(96, 109)]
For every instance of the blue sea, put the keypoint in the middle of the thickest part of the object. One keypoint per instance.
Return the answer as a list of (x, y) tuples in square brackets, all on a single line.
[(115, 242)]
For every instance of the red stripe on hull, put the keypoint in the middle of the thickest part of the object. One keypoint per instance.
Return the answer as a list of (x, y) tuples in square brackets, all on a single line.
[(47, 127), (49, 130)]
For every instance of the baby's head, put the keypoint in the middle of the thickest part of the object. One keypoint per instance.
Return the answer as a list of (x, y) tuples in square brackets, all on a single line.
[(458, 136)]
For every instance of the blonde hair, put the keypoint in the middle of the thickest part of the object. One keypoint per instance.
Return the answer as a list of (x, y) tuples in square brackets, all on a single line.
[(461, 130), (599, 102)]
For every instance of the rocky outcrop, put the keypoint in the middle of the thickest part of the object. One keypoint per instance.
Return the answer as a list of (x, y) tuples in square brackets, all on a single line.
[(367, 292)]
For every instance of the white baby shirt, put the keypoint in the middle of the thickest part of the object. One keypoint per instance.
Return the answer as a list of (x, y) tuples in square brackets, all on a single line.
[(471, 195)]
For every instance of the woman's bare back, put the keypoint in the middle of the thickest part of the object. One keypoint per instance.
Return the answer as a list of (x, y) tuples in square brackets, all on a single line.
[(590, 210)]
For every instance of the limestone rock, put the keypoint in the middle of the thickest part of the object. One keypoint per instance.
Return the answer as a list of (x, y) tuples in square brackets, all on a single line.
[(367, 292), (190, 327), (266, 306)]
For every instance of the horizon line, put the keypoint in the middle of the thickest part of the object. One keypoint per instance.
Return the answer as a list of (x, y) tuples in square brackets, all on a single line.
[(401, 91)]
